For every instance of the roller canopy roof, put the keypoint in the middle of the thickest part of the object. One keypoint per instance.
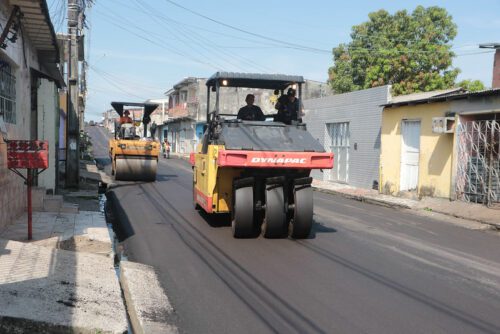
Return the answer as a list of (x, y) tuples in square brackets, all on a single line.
[(148, 107), (254, 80)]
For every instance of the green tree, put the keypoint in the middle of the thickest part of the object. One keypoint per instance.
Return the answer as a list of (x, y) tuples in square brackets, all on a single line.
[(410, 52), (471, 85)]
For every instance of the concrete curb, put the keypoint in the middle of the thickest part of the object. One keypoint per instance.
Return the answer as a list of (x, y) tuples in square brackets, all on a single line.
[(482, 221), (147, 305), (388, 204)]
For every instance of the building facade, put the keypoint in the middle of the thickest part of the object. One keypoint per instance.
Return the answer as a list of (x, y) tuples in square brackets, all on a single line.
[(443, 145), (349, 125), (29, 82)]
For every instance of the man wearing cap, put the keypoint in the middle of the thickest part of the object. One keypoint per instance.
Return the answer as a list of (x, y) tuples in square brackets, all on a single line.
[(250, 112), (288, 107)]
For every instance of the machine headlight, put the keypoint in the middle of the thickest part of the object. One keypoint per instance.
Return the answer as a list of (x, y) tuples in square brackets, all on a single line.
[(122, 146)]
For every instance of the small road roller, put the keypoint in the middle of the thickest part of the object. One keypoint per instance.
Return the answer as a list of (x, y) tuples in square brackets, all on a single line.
[(134, 157), (257, 171)]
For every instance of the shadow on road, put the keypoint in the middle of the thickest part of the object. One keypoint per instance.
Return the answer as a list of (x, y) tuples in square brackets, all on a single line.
[(216, 220), (320, 228), (224, 220)]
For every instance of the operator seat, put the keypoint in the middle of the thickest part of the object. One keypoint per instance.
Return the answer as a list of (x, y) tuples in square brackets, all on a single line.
[(127, 131)]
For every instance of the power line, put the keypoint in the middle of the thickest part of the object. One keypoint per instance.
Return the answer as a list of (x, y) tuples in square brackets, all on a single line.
[(172, 50), (293, 45), (111, 82), (121, 79), (178, 31), (200, 40)]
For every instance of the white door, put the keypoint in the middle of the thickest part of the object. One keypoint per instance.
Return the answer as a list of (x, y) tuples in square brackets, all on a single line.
[(410, 152), (339, 133)]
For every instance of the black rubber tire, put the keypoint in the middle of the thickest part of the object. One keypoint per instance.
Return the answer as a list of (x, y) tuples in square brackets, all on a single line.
[(301, 222), (274, 225), (242, 224)]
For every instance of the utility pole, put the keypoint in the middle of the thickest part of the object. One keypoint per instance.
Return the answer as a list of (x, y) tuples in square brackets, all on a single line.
[(495, 82), (73, 116)]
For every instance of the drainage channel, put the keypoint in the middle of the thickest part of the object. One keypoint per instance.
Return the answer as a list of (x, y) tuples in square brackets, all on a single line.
[(117, 248)]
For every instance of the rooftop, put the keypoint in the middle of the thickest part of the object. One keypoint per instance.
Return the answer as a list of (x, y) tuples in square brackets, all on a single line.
[(439, 96)]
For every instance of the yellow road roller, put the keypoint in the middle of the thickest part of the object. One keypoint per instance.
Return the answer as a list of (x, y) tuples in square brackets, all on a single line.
[(258, 171), (134, 155)]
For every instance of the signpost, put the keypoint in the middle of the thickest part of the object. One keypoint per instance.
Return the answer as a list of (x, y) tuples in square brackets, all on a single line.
[(32, 155)]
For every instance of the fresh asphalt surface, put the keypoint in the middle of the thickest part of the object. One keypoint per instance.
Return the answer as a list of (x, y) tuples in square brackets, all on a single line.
[(365, 268)]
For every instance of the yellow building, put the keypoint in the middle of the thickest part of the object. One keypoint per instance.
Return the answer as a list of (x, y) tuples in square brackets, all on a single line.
[(428, 149)]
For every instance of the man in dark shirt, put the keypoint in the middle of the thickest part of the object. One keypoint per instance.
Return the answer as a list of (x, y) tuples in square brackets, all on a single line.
[(288, 107), (250, 112)]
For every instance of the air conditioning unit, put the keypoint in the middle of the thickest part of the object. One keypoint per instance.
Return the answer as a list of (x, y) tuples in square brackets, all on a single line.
[(443, 124)]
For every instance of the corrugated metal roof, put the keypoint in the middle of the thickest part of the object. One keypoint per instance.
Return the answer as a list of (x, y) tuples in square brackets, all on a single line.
[(255, 80), (455, 94), (38, 26), (423, 95)]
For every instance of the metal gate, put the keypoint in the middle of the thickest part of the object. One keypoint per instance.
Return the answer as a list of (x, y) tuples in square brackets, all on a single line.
[(339, 134), (478, 165)]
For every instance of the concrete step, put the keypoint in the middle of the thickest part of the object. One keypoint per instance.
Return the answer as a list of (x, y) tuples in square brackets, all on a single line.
[(52, 203), (69, 208), (58, 291)]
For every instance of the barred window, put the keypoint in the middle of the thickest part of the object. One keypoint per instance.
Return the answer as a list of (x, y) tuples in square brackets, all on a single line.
[(7, 93)]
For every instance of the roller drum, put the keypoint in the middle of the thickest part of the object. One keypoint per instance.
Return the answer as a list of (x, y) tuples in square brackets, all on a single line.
[(136, 169)]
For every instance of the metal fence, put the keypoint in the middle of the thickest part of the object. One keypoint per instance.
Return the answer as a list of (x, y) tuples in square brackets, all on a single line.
[(478, 172)]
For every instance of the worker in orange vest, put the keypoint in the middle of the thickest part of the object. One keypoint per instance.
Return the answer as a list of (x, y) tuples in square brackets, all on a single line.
[(126, 118)]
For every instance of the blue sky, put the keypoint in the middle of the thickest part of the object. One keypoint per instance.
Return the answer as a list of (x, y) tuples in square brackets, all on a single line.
[(138, 49)]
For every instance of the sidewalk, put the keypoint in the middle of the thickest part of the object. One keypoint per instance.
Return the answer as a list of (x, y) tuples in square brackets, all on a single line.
[(64, 280), (146, 303), (458, 209)]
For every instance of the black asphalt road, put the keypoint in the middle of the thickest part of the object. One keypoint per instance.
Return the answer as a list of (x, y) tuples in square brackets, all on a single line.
[(99, 138), (365, 269)]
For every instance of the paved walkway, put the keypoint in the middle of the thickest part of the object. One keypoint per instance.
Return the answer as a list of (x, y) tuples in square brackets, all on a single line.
[(62, 281), (469, 211), (83, 231)]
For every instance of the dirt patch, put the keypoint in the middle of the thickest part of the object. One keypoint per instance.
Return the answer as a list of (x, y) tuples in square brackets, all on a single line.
[(84, 244)]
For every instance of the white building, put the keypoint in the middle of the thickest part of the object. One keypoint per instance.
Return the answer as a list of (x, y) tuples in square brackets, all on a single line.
[(29, 81)]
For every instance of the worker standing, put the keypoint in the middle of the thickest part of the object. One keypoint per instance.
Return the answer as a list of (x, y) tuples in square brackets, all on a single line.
[(289, 108), (166, 149)]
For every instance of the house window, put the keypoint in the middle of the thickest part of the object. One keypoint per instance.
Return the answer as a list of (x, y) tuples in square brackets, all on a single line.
[(183, 96), (7, 93)]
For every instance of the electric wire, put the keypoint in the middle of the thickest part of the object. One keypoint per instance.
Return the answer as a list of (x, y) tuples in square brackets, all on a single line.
[(111, 82), (162, 46), (292, 45), (200, 40)]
